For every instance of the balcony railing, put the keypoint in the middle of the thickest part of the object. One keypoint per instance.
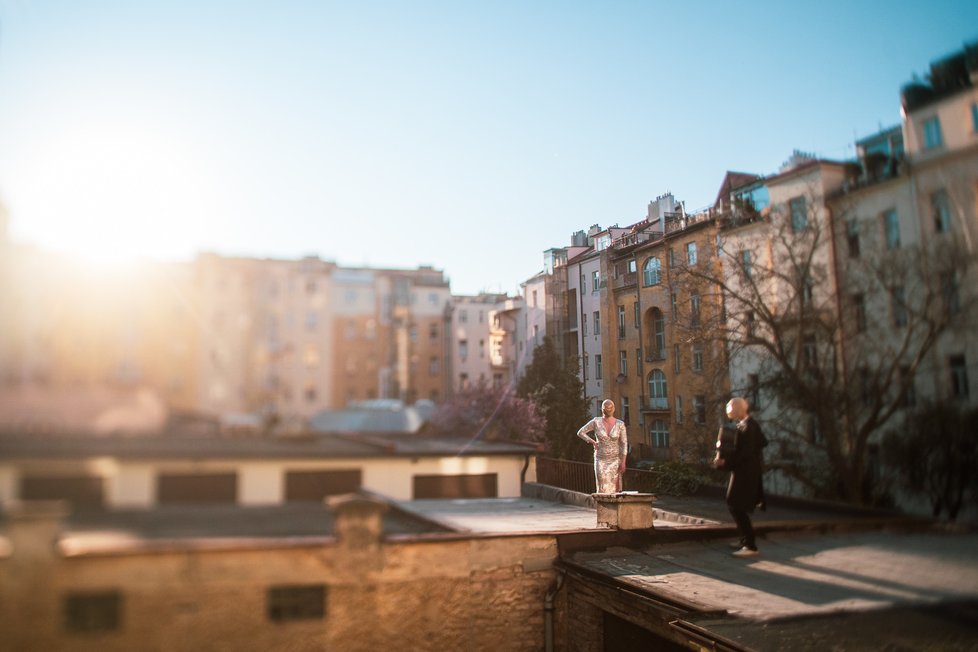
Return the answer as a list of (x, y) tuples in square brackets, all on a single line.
[(655, 402), (625, 280), (655, 355)]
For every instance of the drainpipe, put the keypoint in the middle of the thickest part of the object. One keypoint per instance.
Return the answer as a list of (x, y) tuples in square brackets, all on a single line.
[(548, 611), (526, 465)]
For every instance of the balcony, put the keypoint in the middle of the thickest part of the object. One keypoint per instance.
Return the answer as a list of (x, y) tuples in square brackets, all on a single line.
[(625, 280), (655, 355), (636, 238), (680, 221), (655, 403)]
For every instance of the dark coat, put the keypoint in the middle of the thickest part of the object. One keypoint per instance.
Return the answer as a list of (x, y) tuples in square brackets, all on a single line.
[(746, 465)]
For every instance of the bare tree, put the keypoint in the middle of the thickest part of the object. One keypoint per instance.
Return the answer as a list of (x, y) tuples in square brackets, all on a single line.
[(833, 348), (935, 456)]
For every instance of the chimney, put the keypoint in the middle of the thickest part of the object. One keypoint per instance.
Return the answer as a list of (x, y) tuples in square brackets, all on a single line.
[(357, 520), (33, 528)]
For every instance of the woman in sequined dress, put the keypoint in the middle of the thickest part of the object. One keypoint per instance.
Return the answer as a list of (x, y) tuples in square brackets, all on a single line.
[(610, 443)]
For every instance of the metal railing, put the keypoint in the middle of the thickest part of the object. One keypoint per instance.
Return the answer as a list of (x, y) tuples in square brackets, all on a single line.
[(579, 476)]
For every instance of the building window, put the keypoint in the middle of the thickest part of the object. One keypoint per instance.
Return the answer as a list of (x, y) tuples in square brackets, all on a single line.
[(658, 392), (595, 280), (433, 331), (623, 363), (676, 364), (753, 391), (652, 271), (587, 366), (659, 331), (751, 323), (679, 409), (596, 315), (859, 308), (745, 262), (694, 309), (312, 318), (310, 356), (932, 133), (637, 316), (949, 287), (626, 413), (942, 211), (463, 349), (674, 301), (92, 612), (899, 307), (597, 367), (959, 376), (463, 381), (809, 351), (584, 323), (434, 366), (621, 322), (807, 291), (691, 253), (310, 393), (482, 348), (891, 229), (852, 238), (632, 266), (659, 434), (534, 304), (699, 409), (351, 329), (296, 602), (536, 334), (463, 316), (799, 215), (697, 357)]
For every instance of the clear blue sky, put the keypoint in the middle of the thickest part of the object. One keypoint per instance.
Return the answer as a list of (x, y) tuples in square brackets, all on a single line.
[(466, 135)]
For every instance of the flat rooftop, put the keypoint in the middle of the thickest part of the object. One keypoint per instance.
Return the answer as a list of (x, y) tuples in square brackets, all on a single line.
[(811, 591)]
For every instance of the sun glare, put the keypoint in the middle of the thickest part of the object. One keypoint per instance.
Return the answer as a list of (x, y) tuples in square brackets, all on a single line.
[(110, 193)]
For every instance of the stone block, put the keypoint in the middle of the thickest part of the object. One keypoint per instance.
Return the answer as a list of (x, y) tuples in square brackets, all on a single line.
[(625, 511)]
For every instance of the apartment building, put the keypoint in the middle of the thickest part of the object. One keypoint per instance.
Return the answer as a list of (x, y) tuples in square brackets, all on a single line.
[(483, 338), (662, 346), (913, 203), (226, 335)]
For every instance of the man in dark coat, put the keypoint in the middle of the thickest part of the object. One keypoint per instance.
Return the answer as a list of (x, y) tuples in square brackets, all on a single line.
[(745, 463)]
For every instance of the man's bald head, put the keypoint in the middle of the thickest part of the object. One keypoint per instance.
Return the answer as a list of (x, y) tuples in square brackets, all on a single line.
[(737, 408)]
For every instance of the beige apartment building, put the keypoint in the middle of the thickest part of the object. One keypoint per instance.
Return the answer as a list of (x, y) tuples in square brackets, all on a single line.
[(484, 340), (914, 203), (226, 335)]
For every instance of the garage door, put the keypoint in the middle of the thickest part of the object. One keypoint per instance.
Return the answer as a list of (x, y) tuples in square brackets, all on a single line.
[(455, 486), (302, 486), (197, 488)]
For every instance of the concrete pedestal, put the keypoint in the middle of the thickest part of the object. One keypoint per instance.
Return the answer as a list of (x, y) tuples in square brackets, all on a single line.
[(625, 511)]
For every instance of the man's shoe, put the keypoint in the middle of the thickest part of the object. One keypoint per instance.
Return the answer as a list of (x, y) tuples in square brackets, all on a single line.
[(747, 552), (735, 545)]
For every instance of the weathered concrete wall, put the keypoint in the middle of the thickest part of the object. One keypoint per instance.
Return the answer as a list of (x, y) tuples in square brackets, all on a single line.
[(474, 594)]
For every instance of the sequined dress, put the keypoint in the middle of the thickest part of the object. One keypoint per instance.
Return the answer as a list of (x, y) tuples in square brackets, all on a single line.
[(611, 449)]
